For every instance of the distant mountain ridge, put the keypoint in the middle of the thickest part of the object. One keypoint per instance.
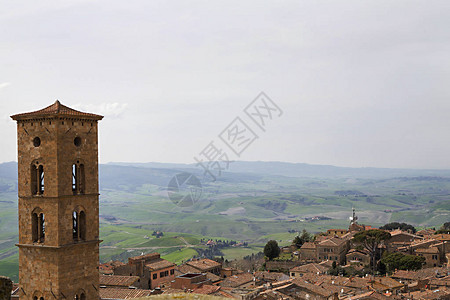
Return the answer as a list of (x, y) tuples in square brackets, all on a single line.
[(160, 173), (299, 169)]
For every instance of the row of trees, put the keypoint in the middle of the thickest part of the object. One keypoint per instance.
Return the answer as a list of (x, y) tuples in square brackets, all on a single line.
[(397, 225), (400, 261)]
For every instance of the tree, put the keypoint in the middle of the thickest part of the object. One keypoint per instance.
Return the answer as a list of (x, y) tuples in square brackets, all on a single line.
[(445, 228), (402, 261), (396, 225), (271, 249), (299, 240), (370, 240)]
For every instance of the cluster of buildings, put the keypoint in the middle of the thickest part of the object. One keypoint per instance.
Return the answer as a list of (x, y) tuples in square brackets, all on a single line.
[(307, 276), (307, 281), (336, 245), (59, 237), (435, 249)]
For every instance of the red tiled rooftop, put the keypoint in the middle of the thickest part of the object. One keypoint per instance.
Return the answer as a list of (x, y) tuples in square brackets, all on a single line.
[(56, 109), (432, 250), (204, 264), (402, 274), (332, 242), (308, 245), (442, 237), (212, 277), (116, 280), (310, 268), (237, 280), (313, 288), (159, 264), (184, 269), (207, 289), (351, 251), (120, 293)]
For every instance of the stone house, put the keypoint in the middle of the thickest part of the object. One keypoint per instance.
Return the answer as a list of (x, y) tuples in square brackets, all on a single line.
[(358, 256), (434, 250), (308, 252), (152, 270), (333, 249), (431, 256), (400, 239), (337, 232)]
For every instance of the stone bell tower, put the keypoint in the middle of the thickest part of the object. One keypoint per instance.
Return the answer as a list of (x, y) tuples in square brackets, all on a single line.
[(58, 204)]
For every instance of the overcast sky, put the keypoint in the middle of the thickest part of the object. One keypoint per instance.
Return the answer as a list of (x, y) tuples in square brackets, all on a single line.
[(360, 83)]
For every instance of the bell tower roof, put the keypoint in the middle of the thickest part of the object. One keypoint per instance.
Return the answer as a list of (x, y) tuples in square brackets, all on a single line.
[(56, 110)]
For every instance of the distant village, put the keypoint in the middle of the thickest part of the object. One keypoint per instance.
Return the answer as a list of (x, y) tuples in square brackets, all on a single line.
[(336, 264)]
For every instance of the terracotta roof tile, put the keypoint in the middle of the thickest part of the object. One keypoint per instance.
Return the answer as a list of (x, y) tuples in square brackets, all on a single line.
[(442, 237), (427, 232), (212, 277), (184, 269), (310, 268), (431, 250), (272, 276), (237, 280), (386, 283), (431, 294), (432, 272), (363, 252), (56, 109), (308, 245), (116, 280), (332, 242), (206, 289), (204, 264), (159, 264), (313, 288), (402, 274), (120, 293)]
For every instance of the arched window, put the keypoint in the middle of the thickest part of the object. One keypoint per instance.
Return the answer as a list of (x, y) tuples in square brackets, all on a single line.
[(37, 178), (34, 185), (75, 225), (74, 178), (82, 180), (78, 181), (82, 225), (38, 226), (82, 296), (42, 298), (34, 229), (79, 224), (41, 180), (41, 229)]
